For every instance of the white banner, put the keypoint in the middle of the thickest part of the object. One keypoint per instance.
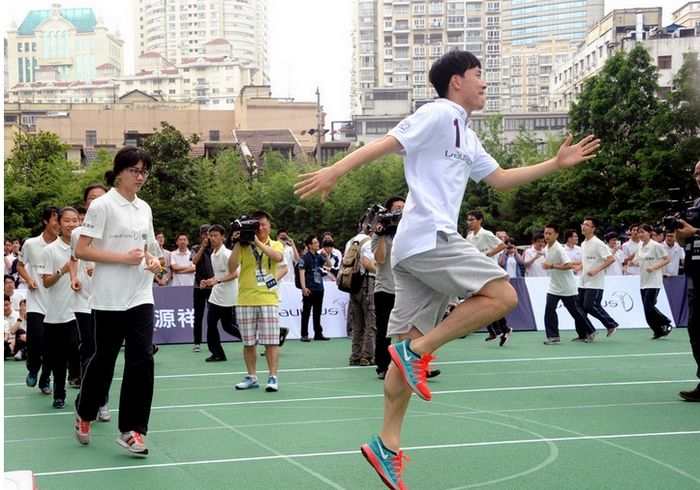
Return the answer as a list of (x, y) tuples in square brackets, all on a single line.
[(621, 299), (333, 314)]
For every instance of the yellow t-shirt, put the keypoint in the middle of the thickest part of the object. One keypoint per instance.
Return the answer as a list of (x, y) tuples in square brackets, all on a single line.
[(249, 292)]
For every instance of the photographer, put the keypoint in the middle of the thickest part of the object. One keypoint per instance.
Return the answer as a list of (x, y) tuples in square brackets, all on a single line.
[(384, 295), (291, 255), (260, 259), (690, 236), (201, 258)]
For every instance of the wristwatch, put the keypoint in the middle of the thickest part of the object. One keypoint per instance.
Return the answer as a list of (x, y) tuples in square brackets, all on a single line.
[(218, 281), (59, 272)]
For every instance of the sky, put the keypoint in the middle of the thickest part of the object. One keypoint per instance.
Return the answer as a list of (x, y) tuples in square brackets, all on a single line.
[(310, 42)]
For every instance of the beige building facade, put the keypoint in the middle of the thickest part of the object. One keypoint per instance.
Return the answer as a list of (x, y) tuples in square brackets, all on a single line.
[(66, 44)]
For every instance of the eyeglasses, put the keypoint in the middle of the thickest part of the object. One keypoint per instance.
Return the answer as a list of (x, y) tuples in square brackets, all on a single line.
[(136, 171)]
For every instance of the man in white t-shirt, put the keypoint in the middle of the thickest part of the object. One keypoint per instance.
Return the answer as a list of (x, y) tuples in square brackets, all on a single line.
[(223, 297), (562, 287), (181, 266), (431, 261), (596, 258), (614, 269), (533, 257), (29, 260), (490, 245), (629, 248), (291, 255), (675, 252)]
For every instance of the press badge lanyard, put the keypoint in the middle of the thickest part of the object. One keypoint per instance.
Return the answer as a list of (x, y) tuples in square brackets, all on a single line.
[(260, 274)]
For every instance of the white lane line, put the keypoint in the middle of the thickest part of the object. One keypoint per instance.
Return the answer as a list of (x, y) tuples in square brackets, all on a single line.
[(476, 361), (275, 452), (356, 451), (364, 418), (373, 395)]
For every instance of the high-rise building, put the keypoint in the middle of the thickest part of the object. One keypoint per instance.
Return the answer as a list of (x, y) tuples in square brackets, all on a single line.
[(68, 43), (180, 29), (526, 22), (396, 42)]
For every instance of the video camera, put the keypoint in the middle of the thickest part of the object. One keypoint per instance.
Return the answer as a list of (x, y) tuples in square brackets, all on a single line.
[(677, 207), (248, 227), (378, 214)]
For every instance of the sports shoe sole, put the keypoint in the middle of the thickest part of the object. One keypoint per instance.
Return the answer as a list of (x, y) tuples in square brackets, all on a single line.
[(374, 462)]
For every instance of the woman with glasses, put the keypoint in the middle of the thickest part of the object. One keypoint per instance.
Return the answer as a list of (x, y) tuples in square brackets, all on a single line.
[(116, 235)]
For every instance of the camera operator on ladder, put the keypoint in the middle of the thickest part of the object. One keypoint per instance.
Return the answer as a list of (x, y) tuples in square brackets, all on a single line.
[(689, 234)]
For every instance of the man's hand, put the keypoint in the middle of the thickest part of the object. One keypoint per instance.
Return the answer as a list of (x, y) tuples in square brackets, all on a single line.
[(323, 181), (570, 155), (153, 264), (135, 256), (75, 284), (685, 231)]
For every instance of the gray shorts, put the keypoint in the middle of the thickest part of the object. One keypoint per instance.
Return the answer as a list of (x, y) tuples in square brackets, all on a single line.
[(425, 282)]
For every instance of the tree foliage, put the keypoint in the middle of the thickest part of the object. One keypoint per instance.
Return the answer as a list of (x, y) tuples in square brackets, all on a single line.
[(648, 145)]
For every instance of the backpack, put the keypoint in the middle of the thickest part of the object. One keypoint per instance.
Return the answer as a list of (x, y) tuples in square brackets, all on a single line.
[(350, 278)]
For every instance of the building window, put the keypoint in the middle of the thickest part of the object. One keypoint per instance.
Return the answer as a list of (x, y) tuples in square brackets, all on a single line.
[(90, 138), (664, 62), (213, 135)]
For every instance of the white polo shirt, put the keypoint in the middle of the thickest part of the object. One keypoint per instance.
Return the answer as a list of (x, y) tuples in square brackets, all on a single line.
[(60, 294), (574, 254), (289, 262), (226, 293), (535, 269), (179, 278), (440, 153), (676, 254), (30, 256), (118, 225), (81, 299), (630, 250), (561, 281), (484, 240), (648, 255), (594, 252)]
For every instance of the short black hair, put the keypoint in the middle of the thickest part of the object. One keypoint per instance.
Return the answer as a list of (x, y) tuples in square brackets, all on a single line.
[(8, 276), (568, 233), (454, 62), (553, 226), (260, 214), (96, 185), (593, 221), (310, 239), (47, 212), (218, 228), (128, 156), (180, 234), (390, 202), (646, 227), (538, 236), (7, 298), (67, 209), (477, 214), (80, 208), (610, 236)]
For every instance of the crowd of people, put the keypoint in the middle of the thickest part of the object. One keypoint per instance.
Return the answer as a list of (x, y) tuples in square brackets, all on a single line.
[(89, 276)]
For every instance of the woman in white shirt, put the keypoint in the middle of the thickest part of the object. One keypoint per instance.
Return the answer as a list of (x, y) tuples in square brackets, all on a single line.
[(651, 258), (116, 235)]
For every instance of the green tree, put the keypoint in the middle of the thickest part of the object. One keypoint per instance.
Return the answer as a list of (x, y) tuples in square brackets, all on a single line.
[(36, 174)]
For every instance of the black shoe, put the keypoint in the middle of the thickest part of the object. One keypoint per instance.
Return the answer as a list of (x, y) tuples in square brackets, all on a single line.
[(155, 349), (214, 358), (381, 375), (74, 382), (321, 337), (433, 373), (284, 331), (305, 339), (58, 403), (691, 396)]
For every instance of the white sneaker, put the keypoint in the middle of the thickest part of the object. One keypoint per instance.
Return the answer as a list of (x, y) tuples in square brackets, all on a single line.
[(196, 348), (248, 382), (133, 441), (271, 384), (103, 413)]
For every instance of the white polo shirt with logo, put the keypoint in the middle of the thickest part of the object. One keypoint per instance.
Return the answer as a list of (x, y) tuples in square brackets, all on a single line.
[(676, 254), (60, 295), (225, 293), (30, 256), (440, 153), (562, 282), (81, 299), (593, 253), (118, 225), (649, 255), (484, 241)]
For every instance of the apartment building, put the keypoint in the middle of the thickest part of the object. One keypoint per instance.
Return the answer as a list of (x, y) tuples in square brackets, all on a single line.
[(179, 30)]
